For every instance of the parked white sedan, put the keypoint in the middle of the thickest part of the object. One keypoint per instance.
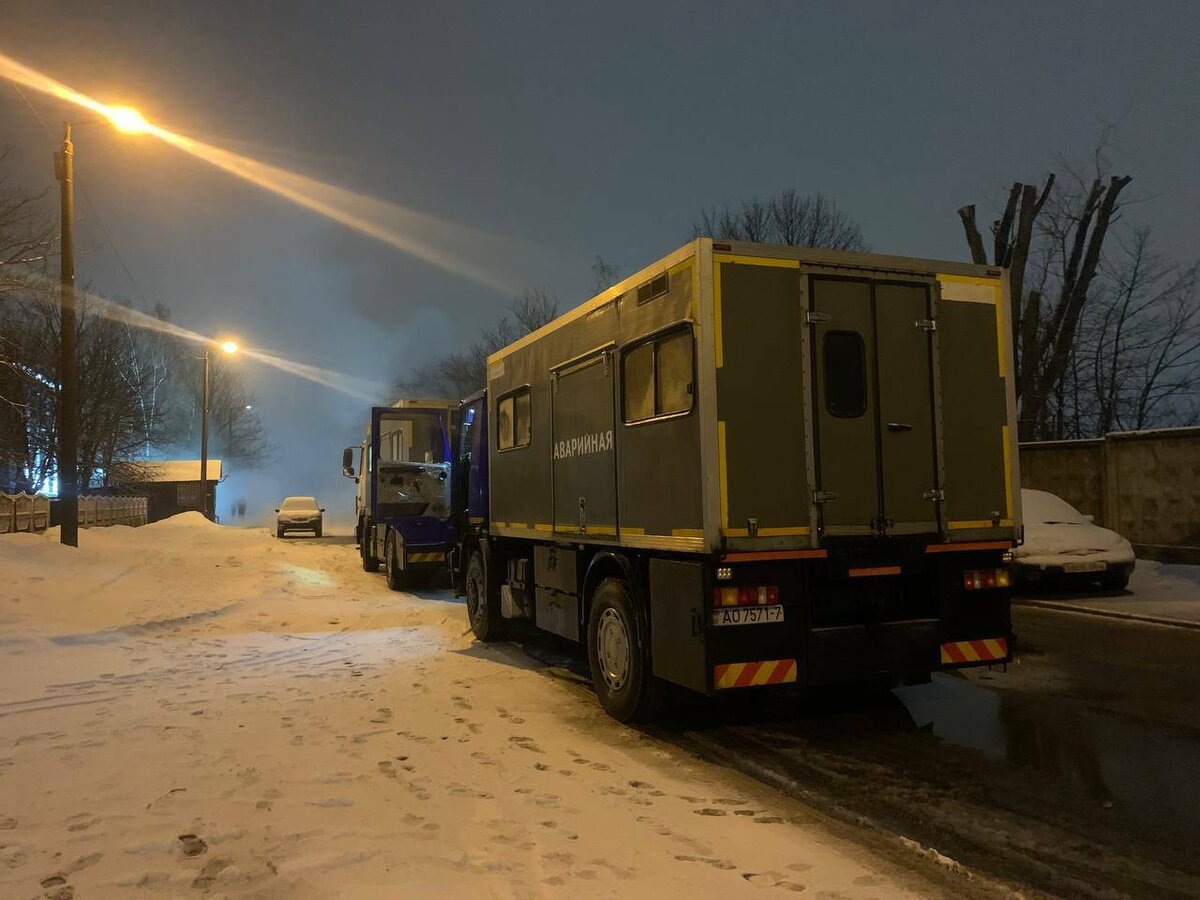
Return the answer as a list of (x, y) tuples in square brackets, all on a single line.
[(299, 514), (1064, 547)]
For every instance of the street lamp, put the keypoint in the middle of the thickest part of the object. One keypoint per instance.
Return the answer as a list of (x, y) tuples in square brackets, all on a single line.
[(129, 121), (228, 348)]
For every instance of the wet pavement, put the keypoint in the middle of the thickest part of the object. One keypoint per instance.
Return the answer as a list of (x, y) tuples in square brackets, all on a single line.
[(1073, 772)]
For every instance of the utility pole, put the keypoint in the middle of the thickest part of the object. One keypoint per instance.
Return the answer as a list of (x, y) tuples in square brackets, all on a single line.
[(204, 442), (67, 465)]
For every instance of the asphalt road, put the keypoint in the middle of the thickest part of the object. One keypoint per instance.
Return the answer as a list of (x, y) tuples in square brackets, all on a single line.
[(1074, 772)]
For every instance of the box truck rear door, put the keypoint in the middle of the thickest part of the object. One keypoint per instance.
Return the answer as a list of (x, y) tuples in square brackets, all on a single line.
[(847, 457), (873, 377), (904, 352)]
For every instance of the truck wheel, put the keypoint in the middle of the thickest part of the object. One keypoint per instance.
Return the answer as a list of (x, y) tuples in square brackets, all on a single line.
[(317, 531), (397, 578), (619, 666), (278, 532), (483, 611), (370, 563)]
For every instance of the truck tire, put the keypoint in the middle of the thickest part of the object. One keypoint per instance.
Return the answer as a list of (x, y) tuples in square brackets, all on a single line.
[(317, 531), (616, 654), (397, 578), (369, 563), (483, 608), (278, 532)]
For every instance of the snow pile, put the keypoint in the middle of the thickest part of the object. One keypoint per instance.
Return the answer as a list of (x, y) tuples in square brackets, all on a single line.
[(187, 708)]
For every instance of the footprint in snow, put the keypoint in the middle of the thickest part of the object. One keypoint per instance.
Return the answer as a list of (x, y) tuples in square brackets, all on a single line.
[(525, 743), (772, 879), (722, 864)]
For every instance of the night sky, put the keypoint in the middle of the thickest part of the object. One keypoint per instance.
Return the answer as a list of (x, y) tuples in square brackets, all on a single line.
[(571, 130)]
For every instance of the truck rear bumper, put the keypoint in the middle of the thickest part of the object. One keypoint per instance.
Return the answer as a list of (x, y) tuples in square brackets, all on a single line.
[(852, 652), (857, 653)]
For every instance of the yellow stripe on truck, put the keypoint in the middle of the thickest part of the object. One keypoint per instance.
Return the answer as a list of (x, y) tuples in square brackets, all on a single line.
[(754, 674), (425, 557)]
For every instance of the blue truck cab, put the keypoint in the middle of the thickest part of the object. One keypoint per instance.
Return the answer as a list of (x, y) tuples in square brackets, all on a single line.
[(403, 503)]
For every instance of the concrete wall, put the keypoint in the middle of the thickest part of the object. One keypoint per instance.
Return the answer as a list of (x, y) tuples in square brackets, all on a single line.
[(1143, 484)]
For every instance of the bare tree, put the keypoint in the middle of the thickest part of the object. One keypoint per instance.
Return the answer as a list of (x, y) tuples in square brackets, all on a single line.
[(461, 373), (235, 430), (138, 394), (788, 217), (1139, 341), (28, 339), (1052, 241), (604, 275)]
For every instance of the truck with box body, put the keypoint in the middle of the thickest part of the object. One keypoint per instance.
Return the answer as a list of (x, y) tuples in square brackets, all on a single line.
[(750, 465), (402, 504)]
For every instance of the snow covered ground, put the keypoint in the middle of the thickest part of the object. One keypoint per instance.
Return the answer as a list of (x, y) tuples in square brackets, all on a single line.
[(320, 736)]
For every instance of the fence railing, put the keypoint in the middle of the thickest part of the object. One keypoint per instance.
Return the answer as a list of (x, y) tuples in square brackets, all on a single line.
[(24, 512), (31, 512), (97, 512)]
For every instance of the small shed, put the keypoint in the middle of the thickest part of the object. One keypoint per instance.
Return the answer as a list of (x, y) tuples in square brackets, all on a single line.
[(172, 486)]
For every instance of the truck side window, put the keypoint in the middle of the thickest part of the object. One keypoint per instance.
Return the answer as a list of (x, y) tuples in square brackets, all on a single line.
[(513, 420), (845, 374), (673, 374), (657, 377), (639, 383)]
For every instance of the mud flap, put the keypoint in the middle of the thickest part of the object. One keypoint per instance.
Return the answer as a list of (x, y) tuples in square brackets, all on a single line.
[(678, 646)]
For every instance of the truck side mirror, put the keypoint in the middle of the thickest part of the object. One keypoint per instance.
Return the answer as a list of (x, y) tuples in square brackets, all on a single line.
[(348, 462)]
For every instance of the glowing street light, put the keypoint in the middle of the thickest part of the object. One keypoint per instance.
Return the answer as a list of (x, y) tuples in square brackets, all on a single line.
[(229, 347), (127, 119)]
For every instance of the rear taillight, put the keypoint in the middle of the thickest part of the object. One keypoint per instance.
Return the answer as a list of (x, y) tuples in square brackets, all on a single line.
[(751, 595), (985, 579)]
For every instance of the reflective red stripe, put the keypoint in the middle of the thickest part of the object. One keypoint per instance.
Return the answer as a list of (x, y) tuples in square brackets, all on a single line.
[(747, 675), (955, 654)]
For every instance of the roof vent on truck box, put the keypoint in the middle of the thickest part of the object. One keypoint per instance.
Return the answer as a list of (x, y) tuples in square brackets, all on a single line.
[(655, 287)]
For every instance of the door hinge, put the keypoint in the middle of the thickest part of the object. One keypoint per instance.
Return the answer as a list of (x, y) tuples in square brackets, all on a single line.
[(937, 495), (824, 496), (815, 318), (926, 324)]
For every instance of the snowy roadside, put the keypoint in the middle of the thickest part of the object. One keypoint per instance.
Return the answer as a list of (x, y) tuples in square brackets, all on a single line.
[(323, 737), (1159, 593)]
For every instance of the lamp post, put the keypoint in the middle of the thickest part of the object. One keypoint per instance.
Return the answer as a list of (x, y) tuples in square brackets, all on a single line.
[(67, 464), (228, 348)]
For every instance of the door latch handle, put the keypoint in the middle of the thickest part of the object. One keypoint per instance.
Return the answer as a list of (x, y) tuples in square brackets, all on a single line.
[(899, 426)]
